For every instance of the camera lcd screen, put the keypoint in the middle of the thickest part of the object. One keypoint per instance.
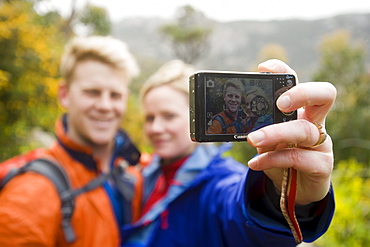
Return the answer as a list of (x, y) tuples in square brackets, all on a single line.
[(237, 105), (228, 106)]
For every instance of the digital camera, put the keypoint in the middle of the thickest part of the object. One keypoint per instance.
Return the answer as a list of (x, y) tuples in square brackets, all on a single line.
[(227, 106)]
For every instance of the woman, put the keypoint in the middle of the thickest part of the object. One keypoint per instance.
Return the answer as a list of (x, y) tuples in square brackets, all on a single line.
[(194, 196), (258, 115)]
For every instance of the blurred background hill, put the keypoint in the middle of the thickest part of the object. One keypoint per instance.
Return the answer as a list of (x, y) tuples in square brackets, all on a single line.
[(237, 45), (334, 49)]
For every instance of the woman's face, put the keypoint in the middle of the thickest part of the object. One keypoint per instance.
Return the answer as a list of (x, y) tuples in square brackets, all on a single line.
[(248, 106), (167, 122)]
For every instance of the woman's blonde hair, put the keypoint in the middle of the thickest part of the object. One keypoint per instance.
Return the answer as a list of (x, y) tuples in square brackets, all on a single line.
[(174, 73), (256, 91), (104, 49)]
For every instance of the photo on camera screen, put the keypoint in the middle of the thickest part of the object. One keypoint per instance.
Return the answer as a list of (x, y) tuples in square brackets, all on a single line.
[(238, 105)]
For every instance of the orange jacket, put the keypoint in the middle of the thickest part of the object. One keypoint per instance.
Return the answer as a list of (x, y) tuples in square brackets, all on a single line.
[(228, 126), (30, 206)]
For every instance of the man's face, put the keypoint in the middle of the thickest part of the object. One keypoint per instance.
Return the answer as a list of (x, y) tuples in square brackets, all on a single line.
[(232, 98), (96, 102)]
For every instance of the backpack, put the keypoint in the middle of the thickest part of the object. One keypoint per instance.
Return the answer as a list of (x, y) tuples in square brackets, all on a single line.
[(220, 118), (58, 176)]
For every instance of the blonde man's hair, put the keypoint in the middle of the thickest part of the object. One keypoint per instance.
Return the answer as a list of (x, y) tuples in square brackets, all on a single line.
[(235, 83), (174, 74), (104, 49)]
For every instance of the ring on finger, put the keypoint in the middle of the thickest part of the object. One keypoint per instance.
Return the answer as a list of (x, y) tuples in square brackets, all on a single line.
[(323, 134), (292, 145)]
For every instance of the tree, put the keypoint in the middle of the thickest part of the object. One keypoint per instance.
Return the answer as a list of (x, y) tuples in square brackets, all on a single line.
[(30, 48), (273, 50), (86, 20), (343, 64), (189, 35), (270, 51), (96, 20)]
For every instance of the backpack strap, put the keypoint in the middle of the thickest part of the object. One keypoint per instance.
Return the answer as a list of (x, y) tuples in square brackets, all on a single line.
[(67, 195), (222, 122), (225, 127), (61, 182)]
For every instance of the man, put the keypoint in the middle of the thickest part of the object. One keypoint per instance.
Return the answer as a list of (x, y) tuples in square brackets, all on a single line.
[(232, 119), (96, 73)]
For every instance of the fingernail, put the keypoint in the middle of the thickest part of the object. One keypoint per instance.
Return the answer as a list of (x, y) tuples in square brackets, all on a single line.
[(253, 163), (268, 64), (283, 102), (256, 137)]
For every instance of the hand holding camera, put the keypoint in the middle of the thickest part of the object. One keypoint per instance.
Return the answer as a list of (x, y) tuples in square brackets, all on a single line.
[(227, 106), (298, 144)]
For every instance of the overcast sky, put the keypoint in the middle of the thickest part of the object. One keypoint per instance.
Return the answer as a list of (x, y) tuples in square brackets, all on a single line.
[(227, 10)]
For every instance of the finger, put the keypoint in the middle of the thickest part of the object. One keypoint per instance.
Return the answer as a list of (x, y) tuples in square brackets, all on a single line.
[(265, 149), (276, 66), (313, 94), (316, 97), (306, 161), (314, 169), (272, 137)]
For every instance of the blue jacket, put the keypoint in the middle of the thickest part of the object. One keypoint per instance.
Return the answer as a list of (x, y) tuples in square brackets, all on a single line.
[(216, 201), (261, 122)]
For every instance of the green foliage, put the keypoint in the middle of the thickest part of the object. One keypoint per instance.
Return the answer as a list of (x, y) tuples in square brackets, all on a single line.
[(343, 64), (30, 50), (133, 123), (147, 67), (242, 152), (269, 51), (187, 37), (96, 19), (273, 50), (351, 223)]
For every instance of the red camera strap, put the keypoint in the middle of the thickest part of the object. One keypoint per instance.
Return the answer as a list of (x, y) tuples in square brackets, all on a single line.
[(287, 202)]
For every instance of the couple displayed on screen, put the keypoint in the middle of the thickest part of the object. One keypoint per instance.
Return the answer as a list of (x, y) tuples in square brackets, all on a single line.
[(234, 119)]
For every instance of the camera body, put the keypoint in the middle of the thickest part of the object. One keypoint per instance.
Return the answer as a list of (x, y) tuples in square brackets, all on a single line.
[(227, 106)]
